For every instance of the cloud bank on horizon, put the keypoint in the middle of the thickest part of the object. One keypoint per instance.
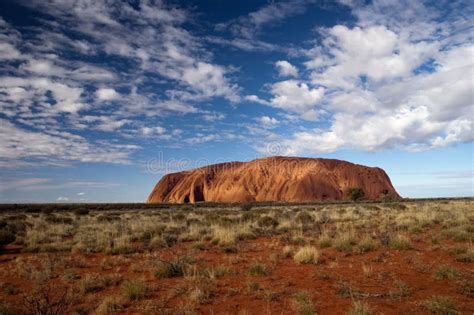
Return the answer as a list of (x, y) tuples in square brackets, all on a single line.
[(106, 81)]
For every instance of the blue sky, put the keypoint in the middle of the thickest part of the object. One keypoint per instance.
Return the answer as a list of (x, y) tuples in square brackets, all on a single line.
[(99, 99)]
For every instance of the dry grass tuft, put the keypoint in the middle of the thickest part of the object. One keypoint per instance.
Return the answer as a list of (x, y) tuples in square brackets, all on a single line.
[(134, 290), (400, 242), (360, 308), (441, 305), (306, 255)]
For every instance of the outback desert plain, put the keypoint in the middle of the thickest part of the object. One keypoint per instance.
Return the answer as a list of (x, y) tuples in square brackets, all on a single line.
[(199, 246)]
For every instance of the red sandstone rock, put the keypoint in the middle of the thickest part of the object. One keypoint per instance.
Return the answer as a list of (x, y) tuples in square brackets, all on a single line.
[(289, 179)]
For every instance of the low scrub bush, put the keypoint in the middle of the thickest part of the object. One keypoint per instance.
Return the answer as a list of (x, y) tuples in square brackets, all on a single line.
[(6, 238), (442, 305), (345, 242), (258, 270), (134, 290), (91, 283), (366, 244), (46, 299), (81, 211), (400, 242), (304, 217), (175, 268), (267, 222), (246, 207), (199, 246), (303, 304), (356, 194), (446, 272), (325, 241), (110, 305)]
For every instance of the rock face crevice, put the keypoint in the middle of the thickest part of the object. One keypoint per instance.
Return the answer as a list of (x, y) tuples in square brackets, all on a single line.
[(289, 179)]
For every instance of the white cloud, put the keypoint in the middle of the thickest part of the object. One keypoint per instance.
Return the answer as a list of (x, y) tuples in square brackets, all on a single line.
[(8, 51), (353, 101), (18, 144), (177, 106), (245, 44), (375, 52), (105, 123), (158, 130), (38, 184), (286, 69), (201, 138), (247, 28), (6, 184), (62, 199), (76, 71), (421, 112), (256, 99), (107, 94), (91, 73), (250, 25), (268, 121), (210, 80), (394, 83), (26, 91), (213, 116), (317, 141), (44, 68), (295, 96), (56, 88)]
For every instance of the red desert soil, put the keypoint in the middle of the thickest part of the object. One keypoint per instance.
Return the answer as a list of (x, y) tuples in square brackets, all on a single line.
[(289, 179), (324, 282)]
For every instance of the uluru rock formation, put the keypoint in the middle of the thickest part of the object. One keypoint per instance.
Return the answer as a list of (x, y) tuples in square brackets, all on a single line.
[(289, 179)]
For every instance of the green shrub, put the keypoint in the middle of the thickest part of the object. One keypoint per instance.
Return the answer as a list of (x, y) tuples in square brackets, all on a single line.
[(400, 242), (134, 290), (303, 304), (109, 305), (170, 239), (47, 210), (355, 194), (458, 250), (467, 257), (51, 218), (366, 244), (258, 270), (442, 305), (267, 222), (325, 241), (91, 283), (253, 286), (446, 272), (81, 211), (175, 268), (246, 207), (304, 218), (199, 246), (6, 238), (344, 242)]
